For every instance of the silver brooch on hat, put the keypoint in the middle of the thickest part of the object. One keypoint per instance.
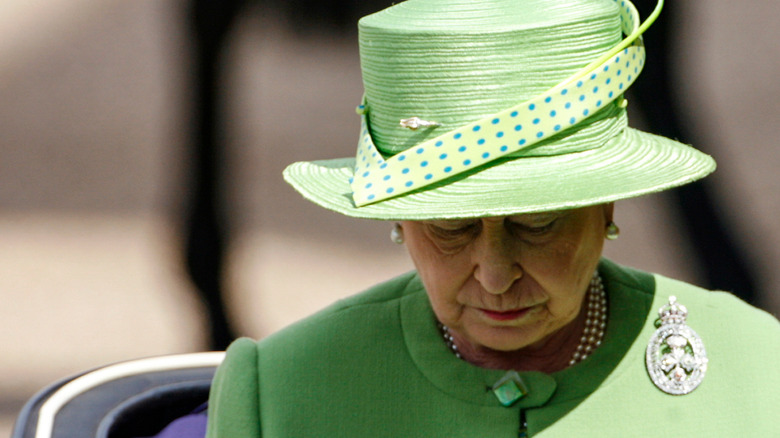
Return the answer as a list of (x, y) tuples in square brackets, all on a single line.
[(675, 358), (415, 123)]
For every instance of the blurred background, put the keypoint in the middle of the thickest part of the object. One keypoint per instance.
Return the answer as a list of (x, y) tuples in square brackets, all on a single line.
[(103, 163)]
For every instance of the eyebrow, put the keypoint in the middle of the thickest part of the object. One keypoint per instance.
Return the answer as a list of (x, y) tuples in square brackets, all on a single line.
[(537, 217)]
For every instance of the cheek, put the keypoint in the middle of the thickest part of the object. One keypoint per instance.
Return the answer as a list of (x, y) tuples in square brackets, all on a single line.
[(581, 249), (564, 270), (443, 279), (442, 275)]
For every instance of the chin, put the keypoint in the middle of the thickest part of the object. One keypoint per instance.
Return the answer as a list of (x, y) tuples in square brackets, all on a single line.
[(500, 339)]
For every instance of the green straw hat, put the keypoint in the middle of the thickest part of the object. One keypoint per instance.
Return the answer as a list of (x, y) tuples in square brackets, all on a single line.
[(478, 108)]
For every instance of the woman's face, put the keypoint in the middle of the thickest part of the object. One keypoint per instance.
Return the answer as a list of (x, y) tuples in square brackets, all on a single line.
[(509, 282)]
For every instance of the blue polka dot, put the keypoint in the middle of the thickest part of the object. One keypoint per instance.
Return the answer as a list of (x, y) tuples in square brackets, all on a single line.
[(458, 135), (618, 72), (585, 113), (429, 176), (564, 92), (539, 134), (568, 105), (365, 174), (476, 128), (593, 76), (442, 156), (401, 157), (518, 127), (387, 177), (532, 107), (598, 104), (504, 148), (572, 120), (521, 142), (617, 60), (485, 155), (405, 171), (466, 162), (628, 78), (383, 165), (408, 184), (611, 93), (462, 149), (448, 169), (421, 150), (499, 134), (582, 98), (606, 68), (351, 180), (620, 87), (439, 143), (536, 121), (609, 80), (423, 164), (481, 141), (595, 89), (370, 197), (390, 190), (579, 84), (514, 114), (548, 99), (553, 113), (557, 127), (495, 121)]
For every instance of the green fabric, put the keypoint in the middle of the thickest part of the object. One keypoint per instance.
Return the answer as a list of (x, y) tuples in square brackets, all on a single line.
[(374, 365), (496, 76)]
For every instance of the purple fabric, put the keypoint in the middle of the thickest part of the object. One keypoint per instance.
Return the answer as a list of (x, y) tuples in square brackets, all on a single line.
[(192, 425)]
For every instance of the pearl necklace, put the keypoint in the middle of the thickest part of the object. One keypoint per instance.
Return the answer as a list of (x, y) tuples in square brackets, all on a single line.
[(595, 324)]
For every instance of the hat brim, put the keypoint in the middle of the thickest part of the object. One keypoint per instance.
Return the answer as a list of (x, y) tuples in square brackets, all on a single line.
[(631, 164)]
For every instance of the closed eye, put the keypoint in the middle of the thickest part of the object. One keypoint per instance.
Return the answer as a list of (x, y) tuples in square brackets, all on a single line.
[(453, 229), (452, 235), (535, 228), (538, 229)]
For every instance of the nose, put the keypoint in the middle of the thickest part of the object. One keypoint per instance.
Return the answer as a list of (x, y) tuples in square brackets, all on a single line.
[(496, 259)]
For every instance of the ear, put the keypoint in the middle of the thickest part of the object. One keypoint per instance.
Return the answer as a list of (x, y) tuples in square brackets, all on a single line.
[(609, 210)]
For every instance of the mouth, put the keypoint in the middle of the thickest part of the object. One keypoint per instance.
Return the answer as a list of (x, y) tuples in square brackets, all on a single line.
[(508, 315)]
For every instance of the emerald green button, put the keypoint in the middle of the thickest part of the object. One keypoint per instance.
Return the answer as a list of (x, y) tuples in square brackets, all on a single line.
[(510, 388)]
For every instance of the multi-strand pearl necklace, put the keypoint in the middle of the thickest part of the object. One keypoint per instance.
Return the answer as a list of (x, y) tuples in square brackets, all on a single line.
[(595, 323)]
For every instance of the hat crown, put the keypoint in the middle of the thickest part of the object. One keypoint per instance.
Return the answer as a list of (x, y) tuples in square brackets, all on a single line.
[(457, 61)]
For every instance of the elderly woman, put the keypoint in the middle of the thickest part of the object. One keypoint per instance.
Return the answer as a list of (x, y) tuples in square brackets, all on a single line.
[(494, 136)]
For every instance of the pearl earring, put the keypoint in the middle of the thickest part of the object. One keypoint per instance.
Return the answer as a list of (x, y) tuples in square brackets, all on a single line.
[(612, 232), (397, 234)]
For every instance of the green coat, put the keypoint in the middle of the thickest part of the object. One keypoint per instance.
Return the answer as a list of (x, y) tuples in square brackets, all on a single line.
[(374, 365)]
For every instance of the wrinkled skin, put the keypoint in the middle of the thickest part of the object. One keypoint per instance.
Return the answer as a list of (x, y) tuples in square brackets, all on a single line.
[(511, 288)]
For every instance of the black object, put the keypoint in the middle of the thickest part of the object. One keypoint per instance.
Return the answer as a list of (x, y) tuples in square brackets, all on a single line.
[(210, 24), (719, 256)]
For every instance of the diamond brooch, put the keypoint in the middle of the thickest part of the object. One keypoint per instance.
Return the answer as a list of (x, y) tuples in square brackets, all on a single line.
[(675, 357)]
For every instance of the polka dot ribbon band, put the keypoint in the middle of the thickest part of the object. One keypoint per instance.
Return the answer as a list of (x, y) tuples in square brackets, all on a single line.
[(509, 131)]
